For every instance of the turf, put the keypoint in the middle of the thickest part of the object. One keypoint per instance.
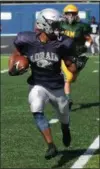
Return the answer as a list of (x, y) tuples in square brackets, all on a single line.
[(22, 145), (94, 162), (4, 62)]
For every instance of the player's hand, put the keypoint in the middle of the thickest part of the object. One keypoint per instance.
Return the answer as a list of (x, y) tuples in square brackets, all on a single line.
[(15, 72)]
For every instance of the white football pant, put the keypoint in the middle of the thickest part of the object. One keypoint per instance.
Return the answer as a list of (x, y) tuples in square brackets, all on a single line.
[(40, 96), (96, 44)]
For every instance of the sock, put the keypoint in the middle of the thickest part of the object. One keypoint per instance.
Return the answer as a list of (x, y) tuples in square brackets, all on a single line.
[(50, 145), (64, 127), (68, 96), (41, 121)]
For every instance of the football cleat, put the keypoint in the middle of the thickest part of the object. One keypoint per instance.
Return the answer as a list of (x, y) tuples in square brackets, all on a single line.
[(51, 152)]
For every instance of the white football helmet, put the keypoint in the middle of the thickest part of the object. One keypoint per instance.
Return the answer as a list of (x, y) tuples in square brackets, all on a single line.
[(46, 18)]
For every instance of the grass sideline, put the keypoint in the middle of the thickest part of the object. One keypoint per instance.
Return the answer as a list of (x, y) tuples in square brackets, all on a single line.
[(22, 145)]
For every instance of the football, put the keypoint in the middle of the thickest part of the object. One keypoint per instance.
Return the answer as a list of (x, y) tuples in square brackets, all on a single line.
[(21, 62)]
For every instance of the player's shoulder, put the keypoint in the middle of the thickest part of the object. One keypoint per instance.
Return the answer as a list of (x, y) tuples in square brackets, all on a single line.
[(25, 37), (67, 41)]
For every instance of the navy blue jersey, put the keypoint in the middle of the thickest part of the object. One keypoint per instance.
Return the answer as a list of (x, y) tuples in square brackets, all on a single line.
[(44, 58)]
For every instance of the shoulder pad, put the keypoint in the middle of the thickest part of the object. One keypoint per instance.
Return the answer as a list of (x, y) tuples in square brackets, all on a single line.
[(67, 41), (26, 37)]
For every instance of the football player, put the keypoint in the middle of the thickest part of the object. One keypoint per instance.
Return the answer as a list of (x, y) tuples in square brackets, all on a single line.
[(80, 32), (94, 35), (44, 50)]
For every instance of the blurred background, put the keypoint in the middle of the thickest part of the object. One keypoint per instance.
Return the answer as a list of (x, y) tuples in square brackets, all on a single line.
[(19, 16)]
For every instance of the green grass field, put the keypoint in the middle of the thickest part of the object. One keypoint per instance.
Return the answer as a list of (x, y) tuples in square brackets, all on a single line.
[(94, 162), (4, 62), (21, 143)]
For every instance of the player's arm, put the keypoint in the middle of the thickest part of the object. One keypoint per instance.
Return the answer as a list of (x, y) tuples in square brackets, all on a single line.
[(14, 65), (72, 61), (68, 76), (88, 41), (12, 58), (87, 31), (75, 64), (72, 67)]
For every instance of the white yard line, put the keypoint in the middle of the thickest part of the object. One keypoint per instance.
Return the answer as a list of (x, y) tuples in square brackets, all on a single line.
[(98, 119), (96, 62), (83, 159), (6, 34), (5, 56), (95, 71), (4, 46), (4, 71)]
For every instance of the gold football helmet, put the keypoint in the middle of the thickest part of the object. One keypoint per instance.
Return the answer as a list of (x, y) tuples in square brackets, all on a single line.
[(70, 13)]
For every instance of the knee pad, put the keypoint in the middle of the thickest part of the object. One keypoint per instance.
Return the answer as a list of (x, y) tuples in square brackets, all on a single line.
[(41, 121), (37, 98)]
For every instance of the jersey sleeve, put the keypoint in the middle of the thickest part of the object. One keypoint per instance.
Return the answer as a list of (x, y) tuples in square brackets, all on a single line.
[(23, 41), (68, 49)]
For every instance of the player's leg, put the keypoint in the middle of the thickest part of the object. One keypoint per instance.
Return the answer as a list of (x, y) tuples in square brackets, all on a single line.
[(64, 118), (61, 104), (67, 89), (93, 45), (37, 99), (97, 41), (68, 76)]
